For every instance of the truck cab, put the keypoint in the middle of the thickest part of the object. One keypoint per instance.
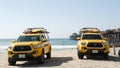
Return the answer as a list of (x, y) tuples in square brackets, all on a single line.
[(92, 43), (33, 44)]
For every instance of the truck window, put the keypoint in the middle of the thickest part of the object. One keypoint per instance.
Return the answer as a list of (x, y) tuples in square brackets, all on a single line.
[(91, 36), (28, 38)]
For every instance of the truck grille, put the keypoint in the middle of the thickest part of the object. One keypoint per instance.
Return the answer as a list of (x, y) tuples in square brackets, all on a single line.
[(22, 48), (95, 45)]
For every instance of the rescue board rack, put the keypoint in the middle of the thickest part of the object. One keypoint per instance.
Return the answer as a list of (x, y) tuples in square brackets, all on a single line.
[(89, 30), (35, 30)]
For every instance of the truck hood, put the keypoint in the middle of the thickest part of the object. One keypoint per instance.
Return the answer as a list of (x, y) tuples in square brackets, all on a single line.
[(24, 43)]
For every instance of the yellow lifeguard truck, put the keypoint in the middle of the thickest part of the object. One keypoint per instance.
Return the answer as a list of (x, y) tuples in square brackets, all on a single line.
[(92, 43), (32, 45)]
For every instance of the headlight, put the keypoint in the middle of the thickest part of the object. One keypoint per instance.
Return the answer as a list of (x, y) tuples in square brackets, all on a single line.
[(36, 46), (10, 48), (83, 43)]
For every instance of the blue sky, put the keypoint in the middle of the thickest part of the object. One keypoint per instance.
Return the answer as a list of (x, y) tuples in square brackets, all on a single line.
[(60, 17)]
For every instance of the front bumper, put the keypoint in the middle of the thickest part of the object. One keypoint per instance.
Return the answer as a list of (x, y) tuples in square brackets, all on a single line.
[(26, 57), (95, 52)]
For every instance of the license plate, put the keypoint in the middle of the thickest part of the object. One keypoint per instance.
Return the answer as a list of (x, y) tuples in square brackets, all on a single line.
[(94, 51), (21, 56)]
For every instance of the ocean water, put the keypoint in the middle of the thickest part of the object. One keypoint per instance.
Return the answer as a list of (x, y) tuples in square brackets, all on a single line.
[(62, 43), (56, 43)]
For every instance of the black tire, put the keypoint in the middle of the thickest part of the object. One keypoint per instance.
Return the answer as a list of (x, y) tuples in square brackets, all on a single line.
[(119, 52), (41, 59), (11, 61), (105, 56), (80, 55), (88, 57), (48, 55)]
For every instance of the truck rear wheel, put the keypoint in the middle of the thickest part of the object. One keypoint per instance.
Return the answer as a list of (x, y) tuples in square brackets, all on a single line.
[(80, 55), (48, 55), (119, 53), (88, 56), (11, 61)]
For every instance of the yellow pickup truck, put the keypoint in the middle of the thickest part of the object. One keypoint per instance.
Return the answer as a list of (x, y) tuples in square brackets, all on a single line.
[(32, 45), (92, 43)]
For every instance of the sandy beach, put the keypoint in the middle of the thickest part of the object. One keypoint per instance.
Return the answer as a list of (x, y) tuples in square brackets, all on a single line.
[(66, 59)]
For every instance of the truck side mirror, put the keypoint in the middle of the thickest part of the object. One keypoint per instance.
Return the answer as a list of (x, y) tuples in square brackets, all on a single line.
[(44, 40), (105, 39), (78, 38), (13, 41)]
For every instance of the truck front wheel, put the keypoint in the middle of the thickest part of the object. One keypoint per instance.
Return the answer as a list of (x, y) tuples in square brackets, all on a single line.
[(105, 56), (41, 59), (80, 55), (11, 61)]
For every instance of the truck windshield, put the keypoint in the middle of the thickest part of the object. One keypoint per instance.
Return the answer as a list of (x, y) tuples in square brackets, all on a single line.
[(28, 38), (91, 36)]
